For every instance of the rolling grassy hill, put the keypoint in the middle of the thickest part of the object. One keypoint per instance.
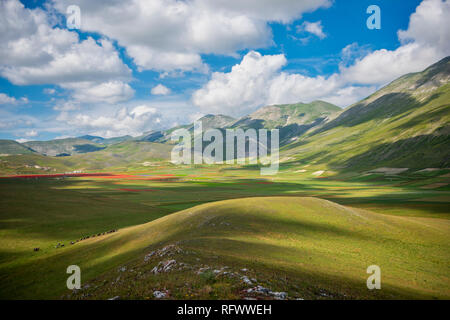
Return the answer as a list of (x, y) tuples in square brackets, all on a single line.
[(307, 247), (405, 124), (13, 147)]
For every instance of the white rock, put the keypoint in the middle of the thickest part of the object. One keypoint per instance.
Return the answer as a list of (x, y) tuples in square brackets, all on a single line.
[(168, 265), (159, 294), (279, 295), (246, 280)]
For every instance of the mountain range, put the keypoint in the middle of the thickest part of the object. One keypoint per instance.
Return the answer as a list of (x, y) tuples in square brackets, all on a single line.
[(404, 124)]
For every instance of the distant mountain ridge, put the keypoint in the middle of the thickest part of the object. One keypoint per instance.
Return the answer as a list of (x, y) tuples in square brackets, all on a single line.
[(291, 119), (208, 121), (63, 147), (106, 141), (404, 124)]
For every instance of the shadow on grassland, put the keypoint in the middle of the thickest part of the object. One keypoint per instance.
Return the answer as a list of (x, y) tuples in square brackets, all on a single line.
[(46, 277), (424, 151)]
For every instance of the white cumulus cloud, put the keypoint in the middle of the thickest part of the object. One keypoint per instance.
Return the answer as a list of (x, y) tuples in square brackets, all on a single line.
[(430, 26), (35, 52), (160, 90), (6, 99), (171, 35), (242, 89), (315, 28), (111, 91), (426, 41), (259, 80), (124, 121)]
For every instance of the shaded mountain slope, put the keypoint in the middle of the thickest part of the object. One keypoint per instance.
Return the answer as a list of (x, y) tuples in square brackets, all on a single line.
[(64, 147), (291, 119), (277, 116), (106, 141), (405, 124)]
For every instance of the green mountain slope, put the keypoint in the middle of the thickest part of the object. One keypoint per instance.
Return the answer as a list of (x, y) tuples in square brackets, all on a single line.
[(13, 147), (276, 116), (292, 120), (64, 147), (405, 124)]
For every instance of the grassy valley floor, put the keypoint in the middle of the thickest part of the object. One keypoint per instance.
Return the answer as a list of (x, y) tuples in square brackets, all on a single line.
[(307, 233)]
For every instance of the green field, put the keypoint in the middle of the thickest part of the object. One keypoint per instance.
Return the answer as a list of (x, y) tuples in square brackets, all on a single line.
[(311, 248)]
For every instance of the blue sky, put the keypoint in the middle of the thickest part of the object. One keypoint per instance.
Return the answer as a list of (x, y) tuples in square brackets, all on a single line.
[(145, 65)]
